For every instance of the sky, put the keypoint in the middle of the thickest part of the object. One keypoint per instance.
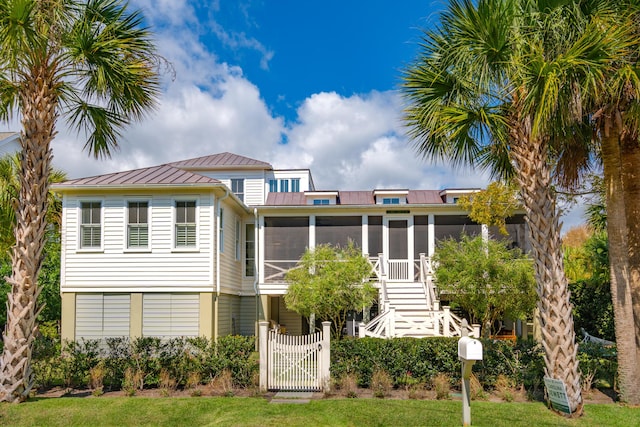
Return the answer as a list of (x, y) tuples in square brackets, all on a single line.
[(299, 84)]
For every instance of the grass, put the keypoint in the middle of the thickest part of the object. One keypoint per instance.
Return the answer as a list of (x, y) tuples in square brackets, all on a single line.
[(221, 411)]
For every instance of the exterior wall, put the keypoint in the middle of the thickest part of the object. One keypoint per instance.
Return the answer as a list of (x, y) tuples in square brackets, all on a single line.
[(306, 183), (230, 260), (254, 188), (136, 316), (248, 315), (160, 268), (228, 315)]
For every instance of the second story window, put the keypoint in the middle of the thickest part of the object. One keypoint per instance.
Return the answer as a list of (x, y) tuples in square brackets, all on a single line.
[(321, 201), (185, 223), (138, 225), (273, 186), (295, 185), (90, 226), (237, 186), (391, 201), (284, 185)]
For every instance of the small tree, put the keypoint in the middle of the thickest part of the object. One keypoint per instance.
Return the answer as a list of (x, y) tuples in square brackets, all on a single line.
[(492, 206), (486, 279), (329, 282)]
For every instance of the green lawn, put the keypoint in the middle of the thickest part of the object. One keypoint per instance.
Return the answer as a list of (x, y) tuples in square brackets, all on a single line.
[(237, 411)]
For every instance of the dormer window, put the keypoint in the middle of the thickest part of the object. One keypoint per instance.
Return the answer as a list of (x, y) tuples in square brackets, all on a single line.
[(321, 201), (391, 197)]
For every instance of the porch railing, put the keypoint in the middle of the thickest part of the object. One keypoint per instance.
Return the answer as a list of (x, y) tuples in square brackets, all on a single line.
[(435, 323)]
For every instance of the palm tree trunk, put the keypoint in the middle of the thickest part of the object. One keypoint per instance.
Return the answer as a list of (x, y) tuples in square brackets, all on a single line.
[(38, 106), (623, 197), (556, 319)]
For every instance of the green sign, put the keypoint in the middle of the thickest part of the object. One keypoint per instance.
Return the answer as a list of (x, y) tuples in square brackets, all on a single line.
[(557, 395)]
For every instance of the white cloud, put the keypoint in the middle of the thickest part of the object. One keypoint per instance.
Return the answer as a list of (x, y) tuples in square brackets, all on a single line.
[(349, 143)]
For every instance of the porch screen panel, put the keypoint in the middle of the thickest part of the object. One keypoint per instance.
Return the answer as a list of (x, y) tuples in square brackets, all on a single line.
[(398, 239), (286, 238), (454, 226), (375, 235), (420, 236), (517, 229), (339, 230)]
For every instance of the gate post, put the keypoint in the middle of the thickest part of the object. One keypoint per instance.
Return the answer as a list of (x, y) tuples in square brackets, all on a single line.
[(264, 363), (325, 375)]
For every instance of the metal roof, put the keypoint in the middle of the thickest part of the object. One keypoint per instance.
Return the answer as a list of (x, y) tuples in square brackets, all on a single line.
[(163, 174), (222, 161), (355, 198)]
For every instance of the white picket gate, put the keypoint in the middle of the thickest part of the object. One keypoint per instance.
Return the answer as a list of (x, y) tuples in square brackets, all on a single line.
[(294, 363)]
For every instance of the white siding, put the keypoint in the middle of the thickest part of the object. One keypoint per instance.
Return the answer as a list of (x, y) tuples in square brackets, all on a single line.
[(230, 267), (159, 268), (170, 315), (228, 315), (247, 315), (254, 193), (102, 315)]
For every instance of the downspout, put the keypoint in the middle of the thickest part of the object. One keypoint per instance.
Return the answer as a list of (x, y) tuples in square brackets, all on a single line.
[(217, 296)]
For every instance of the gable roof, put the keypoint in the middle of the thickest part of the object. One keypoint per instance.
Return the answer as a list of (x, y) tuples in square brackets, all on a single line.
[(221, 161), (155, 175)]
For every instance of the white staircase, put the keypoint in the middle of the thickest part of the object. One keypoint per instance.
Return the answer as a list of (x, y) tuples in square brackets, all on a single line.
[(410, 308)]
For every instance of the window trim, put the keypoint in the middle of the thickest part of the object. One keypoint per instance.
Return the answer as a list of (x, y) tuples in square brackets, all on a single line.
[(249, 237), (87, 249), (127, 247), (174, 247), (295, 185), (238, 240), (239, 194), (221, 231)]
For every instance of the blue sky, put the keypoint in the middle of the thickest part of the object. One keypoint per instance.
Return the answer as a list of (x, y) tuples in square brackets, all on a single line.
[(299, 84)]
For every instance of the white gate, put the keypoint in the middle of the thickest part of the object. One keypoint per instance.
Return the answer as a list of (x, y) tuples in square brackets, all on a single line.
[(294, 363)]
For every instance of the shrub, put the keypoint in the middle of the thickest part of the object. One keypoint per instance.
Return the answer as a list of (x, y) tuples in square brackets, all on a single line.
[(442, 386), (381, 384)]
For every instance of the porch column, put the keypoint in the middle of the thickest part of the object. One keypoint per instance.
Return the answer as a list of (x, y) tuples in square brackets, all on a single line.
[(260, 248), (431, 235), (264, 327), (365, 234), (68, 328), (312, 231)]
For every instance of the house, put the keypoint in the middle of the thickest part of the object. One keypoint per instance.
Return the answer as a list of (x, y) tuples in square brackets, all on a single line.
[(201, 247), (9, 143)]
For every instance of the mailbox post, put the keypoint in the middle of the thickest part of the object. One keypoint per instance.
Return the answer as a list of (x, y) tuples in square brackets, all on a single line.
[(469, 350)]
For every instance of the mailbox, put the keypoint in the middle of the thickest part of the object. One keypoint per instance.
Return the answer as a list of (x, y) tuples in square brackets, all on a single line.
[(469, 349)]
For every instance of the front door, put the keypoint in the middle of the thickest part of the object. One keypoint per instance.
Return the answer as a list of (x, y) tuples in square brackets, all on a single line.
[(397, 249)]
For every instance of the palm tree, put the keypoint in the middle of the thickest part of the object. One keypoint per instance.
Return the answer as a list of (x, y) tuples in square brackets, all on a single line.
[(615, 118), (496, 86), (93, 63), (9, 192)]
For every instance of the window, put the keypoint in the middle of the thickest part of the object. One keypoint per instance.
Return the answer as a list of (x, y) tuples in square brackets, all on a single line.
[(138, 225), (186, 223), (90, 228), (295, 185), (221, 231), (273, 185), (249, 250), (391, 201), (237, 186), (321, 201), (284, 185), (237, 241)]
